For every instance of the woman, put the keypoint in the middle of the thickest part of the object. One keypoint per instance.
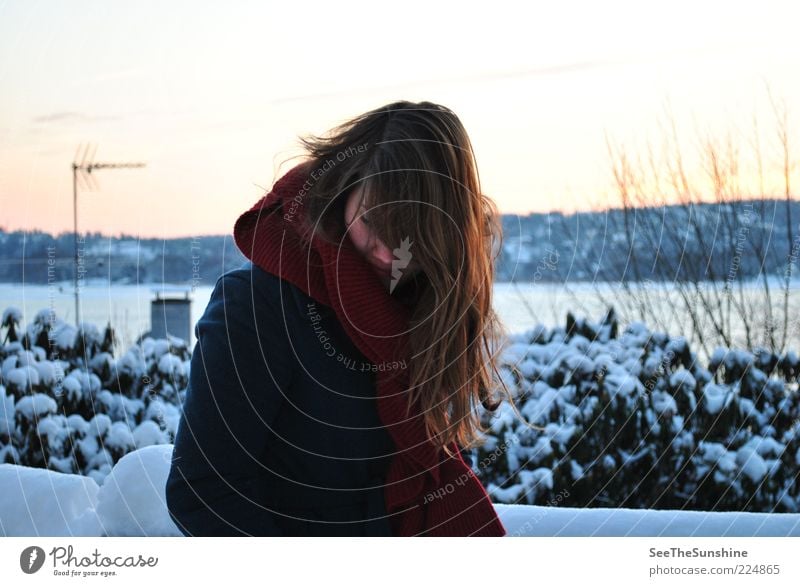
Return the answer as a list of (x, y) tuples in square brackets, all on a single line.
[(337, 373)]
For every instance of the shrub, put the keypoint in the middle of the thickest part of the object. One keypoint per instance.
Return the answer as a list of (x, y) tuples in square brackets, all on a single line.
[(67, 404), (635, 421)]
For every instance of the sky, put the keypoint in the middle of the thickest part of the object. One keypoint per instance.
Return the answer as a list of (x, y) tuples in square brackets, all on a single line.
[(212, 96)]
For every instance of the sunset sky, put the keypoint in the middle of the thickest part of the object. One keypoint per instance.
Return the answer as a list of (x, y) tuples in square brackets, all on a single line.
[(213, 95)]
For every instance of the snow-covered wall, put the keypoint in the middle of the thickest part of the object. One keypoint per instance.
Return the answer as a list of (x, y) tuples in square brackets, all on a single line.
[(529, 520), (131, 502)]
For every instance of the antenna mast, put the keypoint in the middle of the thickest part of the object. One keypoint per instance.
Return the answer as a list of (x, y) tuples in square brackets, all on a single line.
[(84, 171)]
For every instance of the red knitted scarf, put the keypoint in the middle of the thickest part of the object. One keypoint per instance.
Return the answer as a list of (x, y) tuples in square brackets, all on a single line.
[(426, 491)]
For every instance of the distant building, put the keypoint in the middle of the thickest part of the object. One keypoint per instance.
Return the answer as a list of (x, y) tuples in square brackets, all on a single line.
[(170, 313)]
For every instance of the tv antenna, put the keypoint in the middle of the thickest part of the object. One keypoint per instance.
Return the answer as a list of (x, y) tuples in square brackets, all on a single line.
[(84, 171)]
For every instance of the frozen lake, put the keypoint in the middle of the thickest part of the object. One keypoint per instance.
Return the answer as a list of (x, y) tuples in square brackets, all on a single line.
[(519, 306)]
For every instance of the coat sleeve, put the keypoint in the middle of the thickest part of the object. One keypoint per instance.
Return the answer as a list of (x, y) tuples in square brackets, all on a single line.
[(240, 369)]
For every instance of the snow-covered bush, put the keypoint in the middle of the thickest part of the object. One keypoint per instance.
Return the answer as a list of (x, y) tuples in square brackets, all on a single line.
[(67, 404), (635, 421)]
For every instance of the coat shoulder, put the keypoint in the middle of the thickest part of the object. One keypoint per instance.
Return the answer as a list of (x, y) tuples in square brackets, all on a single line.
[(252, 281), (248, 274)]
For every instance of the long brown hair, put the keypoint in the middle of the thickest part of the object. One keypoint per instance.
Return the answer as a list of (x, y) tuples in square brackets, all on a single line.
[(417, 169)]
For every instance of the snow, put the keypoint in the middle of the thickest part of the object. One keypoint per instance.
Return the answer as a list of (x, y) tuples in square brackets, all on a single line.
[(89, 382), (78, 423), (752, 465), (560, 433), (561, 380), (677, 345), (119, 407), (55, 430), (9, 454), (511, 494), (101, 464), (12, 347), (588, 406), (132, 362), (529, 368), (716, 398), (88, 447), (9, 364), (541, 449), (45, 315), (13, 314), (46, 503), (635, 335), (503, 417), (682, 378), (36, 405), (663, 403), (24, 377), (542, 521), (26, 358), (99, 425), (714, 453), (579, 363), (529, 482), (534, 478), (120, 437), (758, 378), (747, 408), (65, 336), (155, 348), (567, 393), (170, 365), (48, 371), (537, 411), (65, 464), (132, 500), (6, 413), (158, 410), (766, 446), (149, 434), (741, 358), (623, 384), (101, 361), (72, 386), (90, 333)]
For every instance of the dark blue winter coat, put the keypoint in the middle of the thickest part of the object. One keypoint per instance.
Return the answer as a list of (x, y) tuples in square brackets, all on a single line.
[(277, 436)]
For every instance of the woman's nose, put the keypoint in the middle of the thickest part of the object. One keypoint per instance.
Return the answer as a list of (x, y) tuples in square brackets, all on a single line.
[(382, 253)]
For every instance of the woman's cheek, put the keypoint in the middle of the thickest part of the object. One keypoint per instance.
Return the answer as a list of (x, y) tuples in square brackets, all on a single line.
[(359, 237)]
